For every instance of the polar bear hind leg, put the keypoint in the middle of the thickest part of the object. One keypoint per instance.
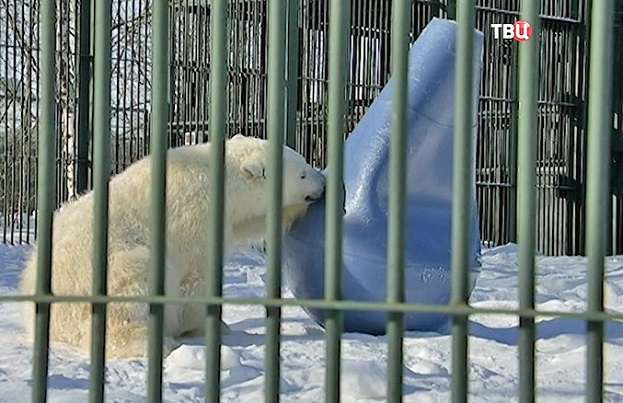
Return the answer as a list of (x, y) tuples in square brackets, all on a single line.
[(127, 328)]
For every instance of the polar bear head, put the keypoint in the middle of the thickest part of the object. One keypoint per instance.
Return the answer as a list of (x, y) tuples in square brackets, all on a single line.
[(302, 184)]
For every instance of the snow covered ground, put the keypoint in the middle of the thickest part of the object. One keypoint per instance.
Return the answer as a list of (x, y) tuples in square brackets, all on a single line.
[(561, 285)]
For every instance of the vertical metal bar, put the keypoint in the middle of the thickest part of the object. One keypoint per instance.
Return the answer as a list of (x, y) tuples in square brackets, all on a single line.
[(512, 205), (292, 66), (5, 209), (84, 97), (101, 173), (339, 27), (13, 133), (527, 132), (581, 48), (61, 76), (401, 26), (33, 15), (597, 182), (461, 187), (218, 115), (124, 75), (276, 126), (45, 198), (29, 133), (158, 150), (187, 72), (134, 114), (22, 137), (142, 56)]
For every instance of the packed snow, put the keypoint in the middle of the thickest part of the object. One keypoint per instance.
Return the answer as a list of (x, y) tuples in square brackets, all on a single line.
[(493, 366)]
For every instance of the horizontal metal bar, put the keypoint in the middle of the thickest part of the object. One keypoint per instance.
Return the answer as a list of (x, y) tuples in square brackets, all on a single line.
[(312, 303), (541, 102), (543, 17)]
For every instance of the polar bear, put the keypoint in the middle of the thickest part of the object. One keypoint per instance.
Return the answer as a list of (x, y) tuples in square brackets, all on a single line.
[(188, 201)]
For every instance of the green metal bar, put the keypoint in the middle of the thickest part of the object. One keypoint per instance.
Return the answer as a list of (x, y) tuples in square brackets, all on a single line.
[(292, 66), (276, 125), (597, 183), (84, 93), (45, 199), (321, 304), (461, 188), (158, 149), (339, 27), (582, 57), (512, 190), (451, 9), (527, 129), (218, 114), (396, 231), (101, 173)]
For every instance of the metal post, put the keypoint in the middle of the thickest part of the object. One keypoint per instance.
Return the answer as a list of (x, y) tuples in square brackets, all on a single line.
[(401, 26), (527, 132), (339, 27), (45, 198), (158, 150), (101, 174), (218, 113), (84, 97), (292, 69), (276, 127), (463, 144), (597, 183)]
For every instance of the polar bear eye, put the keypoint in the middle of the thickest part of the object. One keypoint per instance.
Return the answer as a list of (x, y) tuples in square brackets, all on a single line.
[(304, 175)]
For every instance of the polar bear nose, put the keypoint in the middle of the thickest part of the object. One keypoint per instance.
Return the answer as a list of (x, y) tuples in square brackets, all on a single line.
[(315, 196)]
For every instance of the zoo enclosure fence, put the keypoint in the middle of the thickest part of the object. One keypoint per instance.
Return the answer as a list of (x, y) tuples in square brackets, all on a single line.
[(147, 93), (562, 125)]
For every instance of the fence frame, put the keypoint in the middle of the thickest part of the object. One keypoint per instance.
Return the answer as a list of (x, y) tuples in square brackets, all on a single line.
[(280, 125)]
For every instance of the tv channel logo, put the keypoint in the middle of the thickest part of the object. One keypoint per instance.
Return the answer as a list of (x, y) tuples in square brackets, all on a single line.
[(520, 31)]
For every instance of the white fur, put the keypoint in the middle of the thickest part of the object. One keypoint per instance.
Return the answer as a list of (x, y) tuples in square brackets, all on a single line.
[(188, 201)]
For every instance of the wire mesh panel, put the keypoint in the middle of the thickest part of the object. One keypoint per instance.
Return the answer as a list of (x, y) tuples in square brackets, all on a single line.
[(561, 129), (130, 81), (496, 145), (369, 67), (559, 171), (562, 123), (190, 69), (19, 86), (616, 171), (19, 45)]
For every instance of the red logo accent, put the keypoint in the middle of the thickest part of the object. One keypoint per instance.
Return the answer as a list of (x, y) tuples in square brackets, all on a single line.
[(522, 31)]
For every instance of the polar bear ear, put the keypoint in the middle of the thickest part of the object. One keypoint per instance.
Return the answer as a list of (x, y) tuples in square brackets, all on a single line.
[(237, 137), (253, 170)]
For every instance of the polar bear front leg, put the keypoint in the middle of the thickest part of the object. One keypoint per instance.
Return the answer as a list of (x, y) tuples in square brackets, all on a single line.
[(131, 340), (193, 318)]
